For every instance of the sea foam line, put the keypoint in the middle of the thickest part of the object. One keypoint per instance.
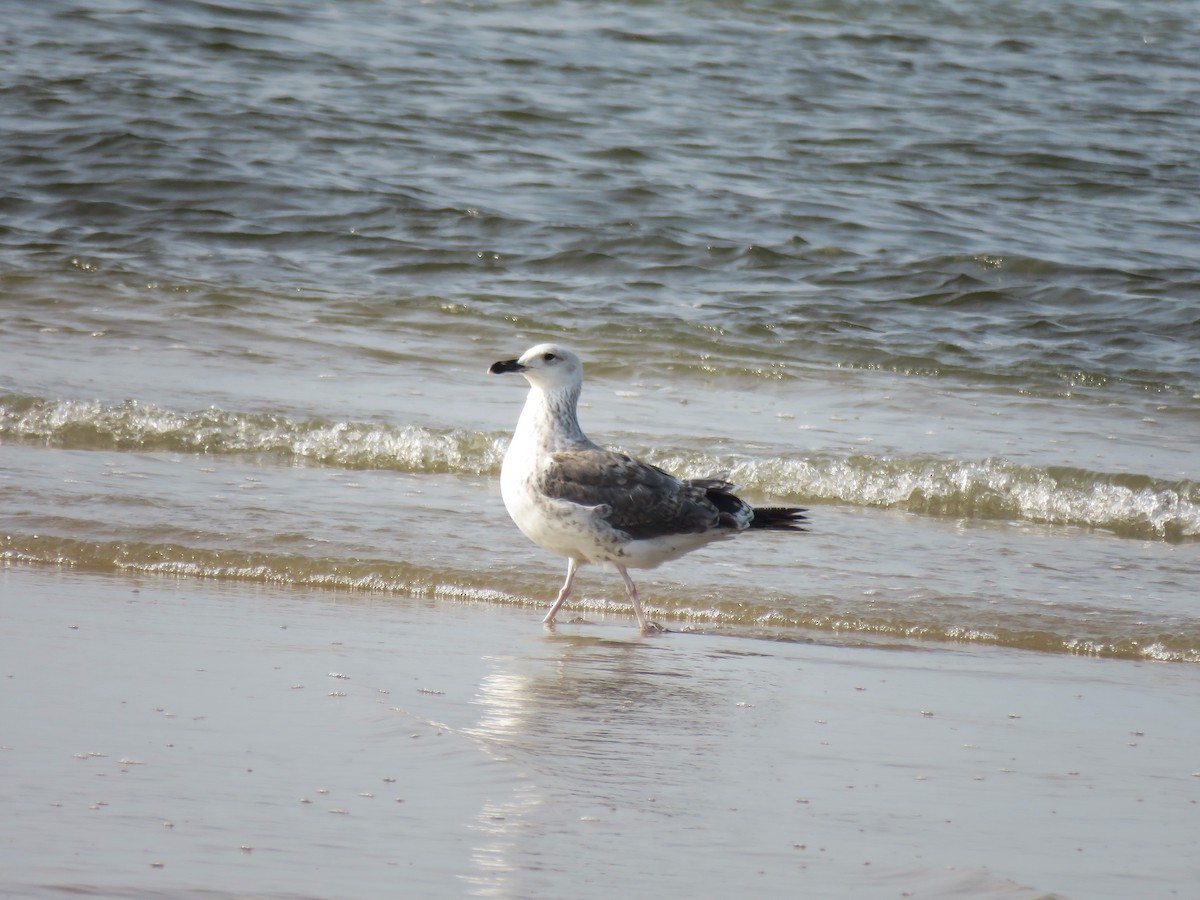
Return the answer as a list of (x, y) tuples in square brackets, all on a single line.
[(780, 618), (1127, 504), (132, 425), (993, 488)]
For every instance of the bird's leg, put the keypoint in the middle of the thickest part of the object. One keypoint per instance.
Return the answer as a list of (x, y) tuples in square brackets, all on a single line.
[(572, 565), (645, 624)]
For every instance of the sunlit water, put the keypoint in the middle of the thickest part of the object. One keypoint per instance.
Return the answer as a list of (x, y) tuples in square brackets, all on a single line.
[(933, 278)]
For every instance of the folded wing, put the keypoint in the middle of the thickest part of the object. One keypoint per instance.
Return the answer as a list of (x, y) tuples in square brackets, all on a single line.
[(641, 500)]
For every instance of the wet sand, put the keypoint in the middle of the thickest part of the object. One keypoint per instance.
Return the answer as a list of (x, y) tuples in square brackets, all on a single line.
[(190, 738)]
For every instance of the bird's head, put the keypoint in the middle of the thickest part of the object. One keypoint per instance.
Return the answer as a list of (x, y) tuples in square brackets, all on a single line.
[(547, 366)]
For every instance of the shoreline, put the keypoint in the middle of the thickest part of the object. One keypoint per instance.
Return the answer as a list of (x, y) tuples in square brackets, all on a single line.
[(170, 737)]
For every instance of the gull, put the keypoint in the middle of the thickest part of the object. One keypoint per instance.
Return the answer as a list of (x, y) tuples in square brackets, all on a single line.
[(572, 497)]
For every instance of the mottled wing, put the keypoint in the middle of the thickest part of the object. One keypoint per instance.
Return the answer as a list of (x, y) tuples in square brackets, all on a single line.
[(643, 500)]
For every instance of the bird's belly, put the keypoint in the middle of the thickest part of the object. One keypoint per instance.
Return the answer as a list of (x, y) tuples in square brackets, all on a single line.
[(651, 552)]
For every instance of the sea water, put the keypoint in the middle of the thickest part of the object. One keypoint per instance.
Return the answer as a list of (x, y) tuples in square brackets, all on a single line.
[(929, 269)]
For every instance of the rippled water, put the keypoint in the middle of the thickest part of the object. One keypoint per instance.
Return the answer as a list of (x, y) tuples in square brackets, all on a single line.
[(927, 268)]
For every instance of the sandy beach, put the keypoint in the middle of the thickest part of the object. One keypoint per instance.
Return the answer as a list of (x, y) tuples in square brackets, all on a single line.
[(187, 738)]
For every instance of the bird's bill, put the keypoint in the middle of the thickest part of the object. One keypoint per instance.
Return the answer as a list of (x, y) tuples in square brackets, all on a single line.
[(506, 365)]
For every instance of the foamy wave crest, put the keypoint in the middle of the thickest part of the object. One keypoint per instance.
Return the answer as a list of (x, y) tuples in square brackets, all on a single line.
[(996, 488), (1129, 505), (131, 425)]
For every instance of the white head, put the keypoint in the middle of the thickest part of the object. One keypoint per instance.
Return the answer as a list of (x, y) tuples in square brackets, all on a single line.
[(547, 366)]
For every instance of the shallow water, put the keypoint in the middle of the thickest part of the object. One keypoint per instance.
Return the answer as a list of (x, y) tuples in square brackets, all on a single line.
[(934, 280)]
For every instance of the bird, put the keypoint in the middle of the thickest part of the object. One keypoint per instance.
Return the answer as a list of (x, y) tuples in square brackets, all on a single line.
[(574, 498)]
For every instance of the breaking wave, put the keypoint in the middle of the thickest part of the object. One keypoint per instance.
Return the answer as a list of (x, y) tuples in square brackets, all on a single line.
[(132, 425), (995, 488), (1129, 505)]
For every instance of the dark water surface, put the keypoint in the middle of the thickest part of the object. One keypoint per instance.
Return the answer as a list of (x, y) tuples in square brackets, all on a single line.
[(929, 268)]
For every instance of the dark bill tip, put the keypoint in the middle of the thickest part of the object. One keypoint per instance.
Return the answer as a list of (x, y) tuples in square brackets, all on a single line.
[(506, 365)]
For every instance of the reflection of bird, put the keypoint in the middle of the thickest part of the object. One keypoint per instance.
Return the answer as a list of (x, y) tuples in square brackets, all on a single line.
[(574, 498)]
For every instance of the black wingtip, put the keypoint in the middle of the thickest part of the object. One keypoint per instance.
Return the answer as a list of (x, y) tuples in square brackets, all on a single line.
[(779, 518)]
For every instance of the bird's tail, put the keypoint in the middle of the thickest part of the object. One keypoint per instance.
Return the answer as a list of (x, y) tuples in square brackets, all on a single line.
[(779, 518)]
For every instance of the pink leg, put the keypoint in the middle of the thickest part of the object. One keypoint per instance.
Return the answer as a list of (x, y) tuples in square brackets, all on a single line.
[(637, 606), (572, 565)]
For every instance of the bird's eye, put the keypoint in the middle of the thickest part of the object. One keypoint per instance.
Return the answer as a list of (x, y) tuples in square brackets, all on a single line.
[(548, 357)]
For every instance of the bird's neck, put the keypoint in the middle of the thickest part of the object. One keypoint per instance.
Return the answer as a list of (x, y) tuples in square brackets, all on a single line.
[(550, 420)]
